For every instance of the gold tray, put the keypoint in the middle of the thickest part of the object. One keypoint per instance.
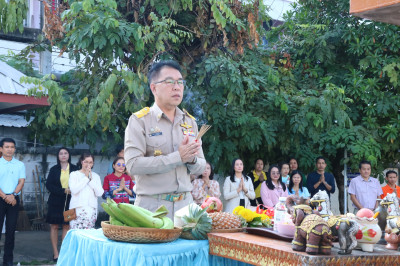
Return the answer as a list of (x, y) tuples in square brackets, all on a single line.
[(139, 234)]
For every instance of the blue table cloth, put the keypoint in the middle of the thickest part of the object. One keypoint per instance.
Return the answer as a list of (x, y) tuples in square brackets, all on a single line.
[(91, 247)]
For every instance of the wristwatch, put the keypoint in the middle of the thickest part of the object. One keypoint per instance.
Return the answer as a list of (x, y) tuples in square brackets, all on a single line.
[(15, 194)]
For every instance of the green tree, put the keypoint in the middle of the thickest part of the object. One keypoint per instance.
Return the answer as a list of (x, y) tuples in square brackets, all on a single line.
[(114, 42), (346, 74), (12, 15)]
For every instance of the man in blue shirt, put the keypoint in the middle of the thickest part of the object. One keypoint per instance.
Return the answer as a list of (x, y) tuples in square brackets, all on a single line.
[(12, 179), (320, 180)]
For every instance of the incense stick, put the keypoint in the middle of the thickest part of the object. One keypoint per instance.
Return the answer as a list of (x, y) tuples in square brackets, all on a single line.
[(203, 130)]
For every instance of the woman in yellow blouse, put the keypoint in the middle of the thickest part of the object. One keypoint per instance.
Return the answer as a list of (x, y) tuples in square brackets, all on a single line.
[(60, 196)]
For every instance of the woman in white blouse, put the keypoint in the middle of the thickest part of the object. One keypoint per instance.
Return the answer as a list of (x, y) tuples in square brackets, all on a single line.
[(238, 188), (85, 187)]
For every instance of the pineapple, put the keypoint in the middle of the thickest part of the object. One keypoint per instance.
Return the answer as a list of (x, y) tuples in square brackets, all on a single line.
[(197, 222), (224, 220)]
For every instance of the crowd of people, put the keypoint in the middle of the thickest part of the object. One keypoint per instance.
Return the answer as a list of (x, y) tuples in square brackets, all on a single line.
[(259, 187), (78, 187), (265, 188)]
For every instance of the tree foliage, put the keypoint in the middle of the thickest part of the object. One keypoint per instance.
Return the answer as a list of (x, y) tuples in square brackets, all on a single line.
[(12, 15), (114, 42), (346, 66)]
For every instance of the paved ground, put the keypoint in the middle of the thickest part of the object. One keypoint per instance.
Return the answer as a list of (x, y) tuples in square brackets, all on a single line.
[(31, 248)]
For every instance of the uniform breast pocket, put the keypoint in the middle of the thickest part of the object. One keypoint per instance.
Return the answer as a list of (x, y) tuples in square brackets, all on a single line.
[(155, 143)]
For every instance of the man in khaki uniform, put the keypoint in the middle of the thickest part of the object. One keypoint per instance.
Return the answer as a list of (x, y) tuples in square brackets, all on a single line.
[(160, 146)]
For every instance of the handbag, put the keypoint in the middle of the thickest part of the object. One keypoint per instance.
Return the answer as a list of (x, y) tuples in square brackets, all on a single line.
[(70, 214)]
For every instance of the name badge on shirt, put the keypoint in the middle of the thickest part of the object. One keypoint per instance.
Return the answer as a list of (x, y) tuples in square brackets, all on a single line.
[(155, 134)]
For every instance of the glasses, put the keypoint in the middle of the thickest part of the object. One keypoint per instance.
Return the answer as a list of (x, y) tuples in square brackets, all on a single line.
[(120, 164), (172, 82)]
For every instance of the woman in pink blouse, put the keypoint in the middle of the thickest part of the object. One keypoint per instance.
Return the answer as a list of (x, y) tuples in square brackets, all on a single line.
[(273, 188), (204, 186)]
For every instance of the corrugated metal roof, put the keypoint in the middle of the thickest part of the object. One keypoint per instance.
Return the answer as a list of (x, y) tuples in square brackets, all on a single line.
[(14, 120), (10, 80)]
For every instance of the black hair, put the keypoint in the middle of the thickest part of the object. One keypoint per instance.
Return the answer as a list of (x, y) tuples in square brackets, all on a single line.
[(291, 184), (116, 160), (119, 148), (211, 172), (283, 163), (269, 183), (156, 68), (363, 162), (69, 155), (255, 162), (83, 157), (232, 175), (320, 158), (390, 172), (7, 140)]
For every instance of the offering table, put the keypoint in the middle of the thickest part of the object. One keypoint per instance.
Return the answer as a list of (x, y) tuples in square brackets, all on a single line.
[(259, 250)]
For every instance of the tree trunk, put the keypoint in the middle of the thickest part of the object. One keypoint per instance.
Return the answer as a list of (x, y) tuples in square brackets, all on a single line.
[(337, 172)]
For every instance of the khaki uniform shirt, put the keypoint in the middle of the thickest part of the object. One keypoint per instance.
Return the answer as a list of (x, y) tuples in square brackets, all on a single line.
[(151, 151)]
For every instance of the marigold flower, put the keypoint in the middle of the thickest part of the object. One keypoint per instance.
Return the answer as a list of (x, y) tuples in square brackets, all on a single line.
[(237, 209)]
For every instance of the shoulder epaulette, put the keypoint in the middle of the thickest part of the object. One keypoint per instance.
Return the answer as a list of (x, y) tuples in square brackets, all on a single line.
[(143, 112), (189, 115)]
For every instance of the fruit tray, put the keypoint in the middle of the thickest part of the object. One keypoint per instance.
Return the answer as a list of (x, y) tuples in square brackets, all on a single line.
[(139, 234)]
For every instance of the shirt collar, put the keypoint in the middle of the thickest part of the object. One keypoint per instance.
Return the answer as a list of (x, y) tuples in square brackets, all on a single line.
[(2, 160), (179, 114), (66, 170), (362, 179), (278, 186)]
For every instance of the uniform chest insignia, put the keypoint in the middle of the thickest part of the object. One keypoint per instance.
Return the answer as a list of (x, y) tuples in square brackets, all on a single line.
[(189, 132), (186, 125), (143, 112), (189, 115), (157, 152)]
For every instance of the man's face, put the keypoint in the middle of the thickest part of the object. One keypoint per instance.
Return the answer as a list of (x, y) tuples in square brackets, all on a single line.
[(167, 95), (392, 179), (321, 165), (365, 170), (8, 149)]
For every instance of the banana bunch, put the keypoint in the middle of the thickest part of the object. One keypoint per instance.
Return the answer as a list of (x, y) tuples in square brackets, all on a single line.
[(124, 214)]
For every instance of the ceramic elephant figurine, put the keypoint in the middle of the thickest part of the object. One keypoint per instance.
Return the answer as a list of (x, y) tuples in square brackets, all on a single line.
[(313, 234), (345, 229)]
